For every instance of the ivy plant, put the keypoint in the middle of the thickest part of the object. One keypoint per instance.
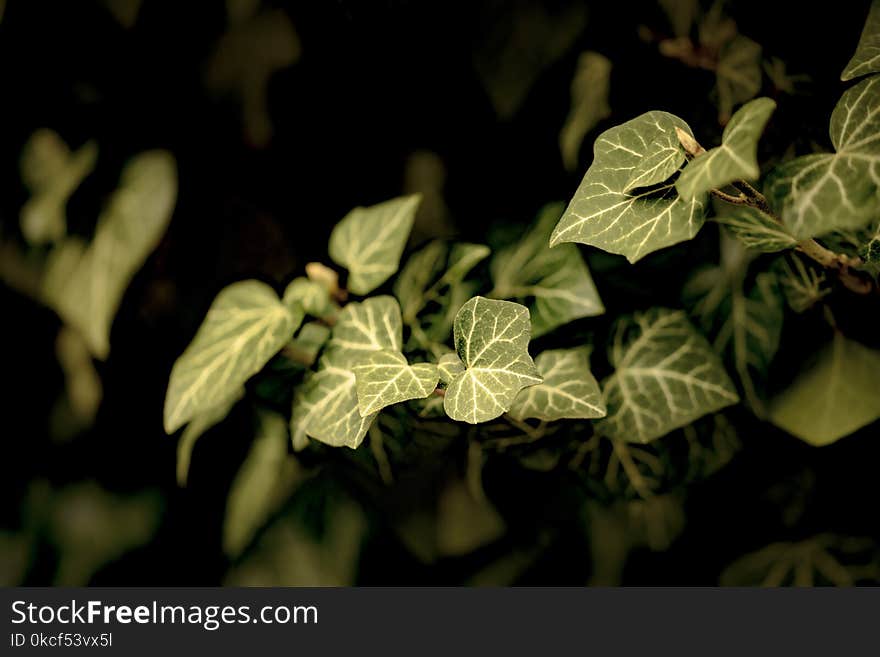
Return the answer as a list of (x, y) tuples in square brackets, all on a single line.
[(387, 346)]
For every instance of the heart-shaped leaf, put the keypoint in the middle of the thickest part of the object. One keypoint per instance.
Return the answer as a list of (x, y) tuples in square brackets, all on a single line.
[(385, 377), (867, 56), (491, 338)]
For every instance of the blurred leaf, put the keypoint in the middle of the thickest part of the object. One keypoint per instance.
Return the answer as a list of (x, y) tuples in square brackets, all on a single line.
[(265, 479), (803, 285), (738, 75), (244, 60), (194, 430), (87, 294), (313, 297), (369, 241), (463, 522), (834, 396), (589, 105), (556, 279), (83, 389), (245, 326), (52, 173)]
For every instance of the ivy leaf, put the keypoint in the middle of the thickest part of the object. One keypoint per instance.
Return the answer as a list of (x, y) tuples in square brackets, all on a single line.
[(197, 427), (557, 279), (607, 210), (867, 56), (870, 250), (263, 482), (666, 376), (127, 232), (449, 366), (369, 241), (385, 377), (313, 297), (738, 74), (245, 326), (308, 343), (834, 397), (589, 104), (745, 321), (421, 282), (371, 325), (567, 391), (816, 194), (325, 405), (757, 230), (735, 159), (491, 339)]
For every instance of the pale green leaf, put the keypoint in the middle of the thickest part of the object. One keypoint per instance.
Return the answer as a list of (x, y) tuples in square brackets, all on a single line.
[(369, 241), (555, 282), (325, 405), (196, 428), (735, 159), (308, 342), (430, 273), (870, 250), (385, 377), (245, 326), (666, 376), (757, 230), (567, 391), (52, 173), (835, 396), (738, 74), (127, 232), (816, 194), (867, 56), (491, 338), (371, 325), (589, 104), (626, 203), (449, 366), (311, 295), (802, 285), (263, 482)]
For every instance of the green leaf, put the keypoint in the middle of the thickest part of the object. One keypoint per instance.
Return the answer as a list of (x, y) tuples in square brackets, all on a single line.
[(308, 343), (567, 391), (263, 482), (491, 338), (372, 325), (589, 104), (421, 280), (556, 280), (745, 322), (384, 378), (196, 428), (870, 250), (833, 397), (816, 194), (609, 212), (738, 74), (313, 297), (127, 232), (867, 56), (449, 366), (735, 159), (757, 230), (325, 405), (52, 173), (369, 241), (245, 326), (666, 376)]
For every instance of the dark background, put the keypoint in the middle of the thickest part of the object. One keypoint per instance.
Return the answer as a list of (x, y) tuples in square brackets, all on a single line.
[(376, 81)]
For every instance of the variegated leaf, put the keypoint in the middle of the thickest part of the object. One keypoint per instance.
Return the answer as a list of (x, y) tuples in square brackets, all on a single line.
[(385, 377), (866, 59)]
